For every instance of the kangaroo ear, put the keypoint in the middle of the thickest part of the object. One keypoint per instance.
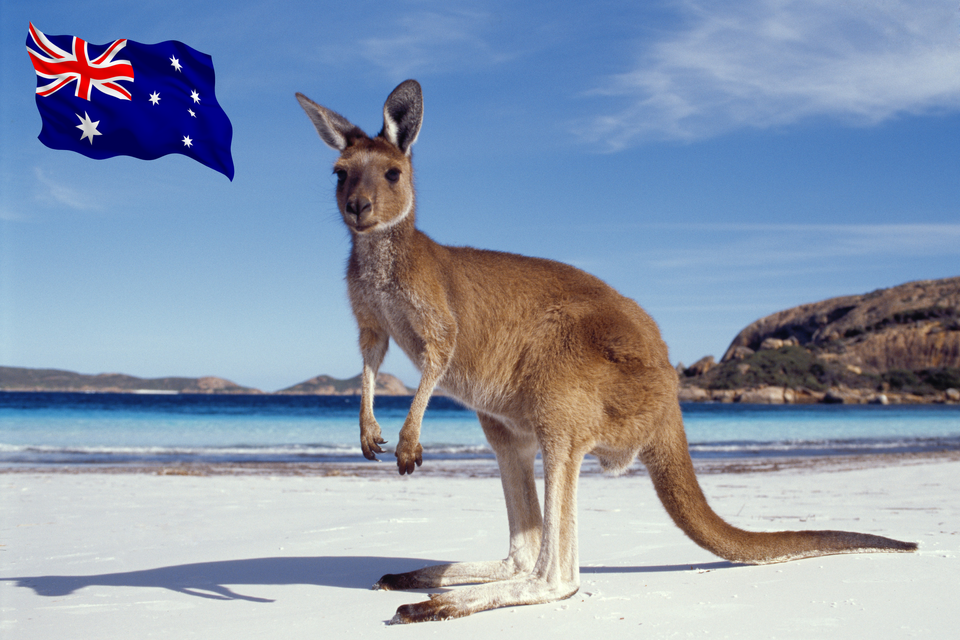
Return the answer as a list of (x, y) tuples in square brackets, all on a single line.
[(403, 115), (333, 128)]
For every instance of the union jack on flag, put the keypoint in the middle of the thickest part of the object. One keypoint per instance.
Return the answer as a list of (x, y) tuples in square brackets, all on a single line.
[(63, 67), (128, 98)]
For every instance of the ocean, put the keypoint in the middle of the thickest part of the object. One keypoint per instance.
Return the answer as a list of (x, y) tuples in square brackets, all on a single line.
[(39, 429)]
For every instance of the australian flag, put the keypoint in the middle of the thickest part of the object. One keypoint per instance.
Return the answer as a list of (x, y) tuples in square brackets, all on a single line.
[(129, 99)]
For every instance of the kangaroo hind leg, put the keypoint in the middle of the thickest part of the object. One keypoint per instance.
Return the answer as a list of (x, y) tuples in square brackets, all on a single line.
[(515, 457), (555, 574)]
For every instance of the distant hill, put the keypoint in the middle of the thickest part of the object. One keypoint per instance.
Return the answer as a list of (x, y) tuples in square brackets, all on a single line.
[(387, 385), (902, 342), (23, 379)]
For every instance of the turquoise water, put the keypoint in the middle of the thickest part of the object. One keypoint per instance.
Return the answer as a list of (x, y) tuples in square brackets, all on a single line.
[(67, 428)]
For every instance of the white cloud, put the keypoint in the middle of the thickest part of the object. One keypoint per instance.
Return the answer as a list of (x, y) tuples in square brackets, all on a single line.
[(430, 41), (57, 194), (769, 63), (774, 245), (7, 215)]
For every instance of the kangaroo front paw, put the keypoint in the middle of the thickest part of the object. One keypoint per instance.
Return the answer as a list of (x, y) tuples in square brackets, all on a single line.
[(409, 457), (370, 440)]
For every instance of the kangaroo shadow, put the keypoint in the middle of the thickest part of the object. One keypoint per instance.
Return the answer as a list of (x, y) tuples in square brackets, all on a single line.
[(666, 568), (209, 579)]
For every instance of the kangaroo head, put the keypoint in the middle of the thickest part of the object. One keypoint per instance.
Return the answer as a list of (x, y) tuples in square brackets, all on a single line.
[(374, 175)]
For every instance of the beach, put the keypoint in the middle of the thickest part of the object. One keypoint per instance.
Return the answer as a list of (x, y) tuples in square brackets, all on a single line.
[(268, 552)]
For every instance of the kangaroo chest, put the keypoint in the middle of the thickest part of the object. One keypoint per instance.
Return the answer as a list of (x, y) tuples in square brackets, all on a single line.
[(379, 295)]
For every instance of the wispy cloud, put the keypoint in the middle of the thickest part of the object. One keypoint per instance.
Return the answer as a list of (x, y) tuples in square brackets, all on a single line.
[(430, 41), (769, 63), (10, 216), (777, 245), (55, 193)]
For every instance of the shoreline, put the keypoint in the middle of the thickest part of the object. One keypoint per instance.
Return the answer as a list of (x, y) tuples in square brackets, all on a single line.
[(773, 395), (688, 394), (483, 468)]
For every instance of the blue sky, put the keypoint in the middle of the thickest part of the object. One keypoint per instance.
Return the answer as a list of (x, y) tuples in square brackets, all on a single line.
[(716, 161)]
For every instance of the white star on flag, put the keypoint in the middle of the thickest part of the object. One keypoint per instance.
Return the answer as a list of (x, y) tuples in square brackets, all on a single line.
[(154, 98), (187, 142), (175, 63), (195, 96), (89, 128)]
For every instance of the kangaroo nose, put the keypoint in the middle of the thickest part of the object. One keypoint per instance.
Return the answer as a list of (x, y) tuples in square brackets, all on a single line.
[(359, 207)]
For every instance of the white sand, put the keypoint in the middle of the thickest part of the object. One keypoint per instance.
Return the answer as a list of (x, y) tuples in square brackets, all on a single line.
[(141, 556)]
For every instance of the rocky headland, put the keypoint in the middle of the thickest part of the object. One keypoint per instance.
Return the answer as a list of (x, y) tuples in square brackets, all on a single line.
[(24, 379), (896, 345), (387, 385)]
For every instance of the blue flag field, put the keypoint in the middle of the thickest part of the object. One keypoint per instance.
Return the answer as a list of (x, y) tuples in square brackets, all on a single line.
[(129, 99)]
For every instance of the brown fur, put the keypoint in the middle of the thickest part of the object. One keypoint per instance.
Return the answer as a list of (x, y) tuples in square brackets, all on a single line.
[(551, 358)]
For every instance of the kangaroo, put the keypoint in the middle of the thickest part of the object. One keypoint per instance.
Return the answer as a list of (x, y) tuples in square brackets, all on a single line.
[(551, 358)]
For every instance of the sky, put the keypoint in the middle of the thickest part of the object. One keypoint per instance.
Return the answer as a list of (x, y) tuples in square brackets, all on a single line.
[(716, 161)]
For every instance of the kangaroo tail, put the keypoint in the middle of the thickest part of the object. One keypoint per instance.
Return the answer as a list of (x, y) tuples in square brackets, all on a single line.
[(670, 467)]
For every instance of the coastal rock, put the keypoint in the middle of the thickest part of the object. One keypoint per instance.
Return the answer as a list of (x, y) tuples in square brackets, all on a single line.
[(700, 367), (738, 353), (763, 395), (771, 343), (803, 396), (913, 326), (724, 395), (834, 397), (694, 394), (777, 343)]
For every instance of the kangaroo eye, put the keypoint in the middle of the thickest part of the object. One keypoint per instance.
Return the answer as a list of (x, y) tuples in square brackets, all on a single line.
[(341, 176), (392, 175)]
